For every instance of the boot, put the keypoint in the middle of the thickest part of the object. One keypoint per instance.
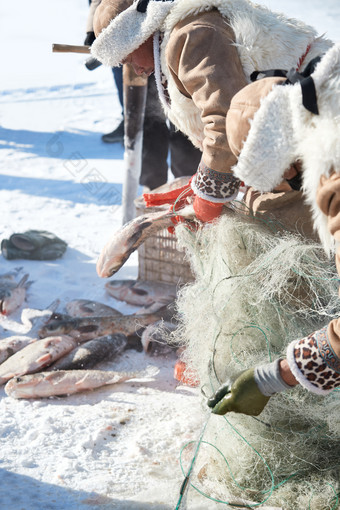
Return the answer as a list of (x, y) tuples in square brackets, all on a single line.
[(117, 135)]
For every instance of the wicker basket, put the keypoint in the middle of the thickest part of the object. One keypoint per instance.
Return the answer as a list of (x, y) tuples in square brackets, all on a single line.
[(159, 257)]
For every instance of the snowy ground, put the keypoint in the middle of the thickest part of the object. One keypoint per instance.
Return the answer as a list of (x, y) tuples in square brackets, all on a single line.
[(116, 447)]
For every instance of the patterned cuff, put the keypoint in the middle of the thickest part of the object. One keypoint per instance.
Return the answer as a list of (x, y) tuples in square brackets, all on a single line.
[(214, 186), (314, 363)]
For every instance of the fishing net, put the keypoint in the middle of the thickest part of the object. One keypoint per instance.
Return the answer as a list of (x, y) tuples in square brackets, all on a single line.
[(257, 288)]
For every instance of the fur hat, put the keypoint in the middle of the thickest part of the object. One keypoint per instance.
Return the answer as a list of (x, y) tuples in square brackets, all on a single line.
[(282, 130), (242, 109), (122, 30), (106, 11)]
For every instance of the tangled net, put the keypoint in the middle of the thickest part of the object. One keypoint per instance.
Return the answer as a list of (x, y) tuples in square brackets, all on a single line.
[(256, 290)]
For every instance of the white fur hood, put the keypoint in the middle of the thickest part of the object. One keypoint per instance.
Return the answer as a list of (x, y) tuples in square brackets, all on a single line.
[(283, 131)]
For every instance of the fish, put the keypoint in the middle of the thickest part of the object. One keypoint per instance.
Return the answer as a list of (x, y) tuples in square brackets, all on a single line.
[(142, 292), (63, 382), (87, 328), (88, 308), (88, 354), (33, 320), (12, 294), (154, 338), (127, 239), (36, 356), (13, 344)]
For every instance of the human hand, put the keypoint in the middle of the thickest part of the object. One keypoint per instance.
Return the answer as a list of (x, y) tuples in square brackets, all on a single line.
[(206, 211), (243, 396)]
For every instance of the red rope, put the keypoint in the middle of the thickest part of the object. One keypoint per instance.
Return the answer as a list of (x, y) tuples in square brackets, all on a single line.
[(169, 197), (302, 59)]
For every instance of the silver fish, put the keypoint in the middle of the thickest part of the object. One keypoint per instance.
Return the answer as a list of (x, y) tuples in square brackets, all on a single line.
[(63, 382), (88, 354), (87, 328), (12, 294), (13, 344), (126, 240), (88, 308), (35, 356), (141, 292)]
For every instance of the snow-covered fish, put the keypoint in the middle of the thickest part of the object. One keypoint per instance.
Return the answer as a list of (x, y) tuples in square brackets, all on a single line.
[(88, 308), (12, 294), (63, 382), (126, 240), (13, 344), (36, 356), (87, 328), (141, 292), (88, 354)]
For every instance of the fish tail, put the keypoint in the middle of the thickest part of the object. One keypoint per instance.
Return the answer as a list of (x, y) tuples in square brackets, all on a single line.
[(23, 282)]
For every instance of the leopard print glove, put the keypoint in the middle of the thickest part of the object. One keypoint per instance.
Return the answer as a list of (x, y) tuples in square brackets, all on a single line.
[(214, 186), (314, 363)]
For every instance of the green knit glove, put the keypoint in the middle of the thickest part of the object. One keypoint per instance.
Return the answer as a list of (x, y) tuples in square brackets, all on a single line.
[(243, 396)]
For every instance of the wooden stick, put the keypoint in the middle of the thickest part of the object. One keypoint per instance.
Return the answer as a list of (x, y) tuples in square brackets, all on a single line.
[(69, 48), (134, 90)]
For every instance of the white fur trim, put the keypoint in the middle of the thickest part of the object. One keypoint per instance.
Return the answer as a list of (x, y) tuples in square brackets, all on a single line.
[(128, 31), (298, 375), (270, 147), (158, 71)]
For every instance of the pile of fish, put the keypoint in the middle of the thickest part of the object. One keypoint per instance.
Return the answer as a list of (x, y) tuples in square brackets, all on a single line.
[(59, 359)]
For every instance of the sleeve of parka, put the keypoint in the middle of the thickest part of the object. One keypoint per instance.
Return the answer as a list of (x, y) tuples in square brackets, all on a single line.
[(206, 67), (315, 360)]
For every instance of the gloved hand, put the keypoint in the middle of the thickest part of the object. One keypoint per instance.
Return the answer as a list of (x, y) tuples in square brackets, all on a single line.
[(206, 211), (243, 396), (89, 39)]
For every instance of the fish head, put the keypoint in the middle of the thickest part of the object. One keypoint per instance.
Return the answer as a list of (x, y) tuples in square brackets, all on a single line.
[(58, 324), (22, 386), (11, 300), (107, 266), (4, 299)]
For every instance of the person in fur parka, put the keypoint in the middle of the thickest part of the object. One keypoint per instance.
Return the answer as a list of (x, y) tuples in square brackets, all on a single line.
[(300, 121), (202, 52)]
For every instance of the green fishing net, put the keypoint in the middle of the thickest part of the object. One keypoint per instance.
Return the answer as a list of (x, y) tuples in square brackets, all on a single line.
[(257, 288)]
